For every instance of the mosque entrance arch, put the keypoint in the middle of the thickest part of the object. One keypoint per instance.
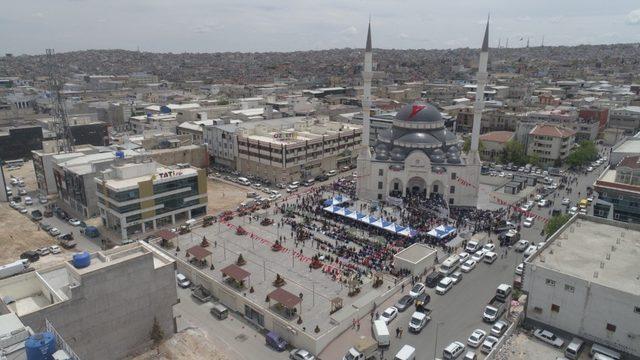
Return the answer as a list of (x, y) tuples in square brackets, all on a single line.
[(417, 186), (396, 188)]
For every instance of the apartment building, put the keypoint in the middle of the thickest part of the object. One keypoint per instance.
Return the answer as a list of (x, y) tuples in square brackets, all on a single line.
[(625, 118), (550, 143), (139, 197)]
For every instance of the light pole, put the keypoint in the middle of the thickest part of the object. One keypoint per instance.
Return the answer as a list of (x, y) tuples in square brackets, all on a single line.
[(435, 346)]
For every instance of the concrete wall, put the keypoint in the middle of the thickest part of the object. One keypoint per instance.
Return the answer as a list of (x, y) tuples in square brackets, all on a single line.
[(112, 311), (195, 155)]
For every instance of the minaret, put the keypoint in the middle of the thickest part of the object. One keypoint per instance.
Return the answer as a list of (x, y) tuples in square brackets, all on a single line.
[(367, 76), (481, 81), (363, 184)]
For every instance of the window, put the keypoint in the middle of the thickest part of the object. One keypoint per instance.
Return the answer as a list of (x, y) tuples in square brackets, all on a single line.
[(452, 190), (380, 172), (379, 196), (550, 282), (450, 201), (555, 308), (611, 327), (379, 184), (537, 310), (569, 288), (636, 310), (454, 176)]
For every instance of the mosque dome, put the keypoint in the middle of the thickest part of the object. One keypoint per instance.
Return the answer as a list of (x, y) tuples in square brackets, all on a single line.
[(419, 112)]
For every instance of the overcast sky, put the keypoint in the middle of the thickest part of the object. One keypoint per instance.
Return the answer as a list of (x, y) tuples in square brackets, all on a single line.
[(30, 26)]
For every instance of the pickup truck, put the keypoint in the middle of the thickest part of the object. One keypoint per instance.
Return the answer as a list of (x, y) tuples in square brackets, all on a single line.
[(365, 349), (494, 309), (201, 293), (419, 320)]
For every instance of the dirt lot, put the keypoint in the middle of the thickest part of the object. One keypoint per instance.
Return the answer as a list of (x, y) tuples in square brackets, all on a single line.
[(20, 234), (26, 172), (190, 344), (224, 196)]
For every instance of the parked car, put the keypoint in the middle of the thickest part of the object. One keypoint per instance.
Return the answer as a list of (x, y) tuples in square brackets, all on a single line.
[(183, 281), (417, 289), (55, 249), (470, 355), (472, 247), (476, 338), (301, 354), (453, 350), (488, 344), (45, 226), (404, 303), (530, 250), (43, 251), (520, 269), (528, 222), (22, 192), (468, 265), (548, 337), (489, 247), (456, 277), (30, 255), (566, 201), (54, 231), (499, 328), (389, 314), (28, 200), (74, 222), (478, 256), (522, 245), (275, 341)]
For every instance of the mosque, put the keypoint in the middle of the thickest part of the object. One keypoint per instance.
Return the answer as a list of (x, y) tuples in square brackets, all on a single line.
[(419, 155)]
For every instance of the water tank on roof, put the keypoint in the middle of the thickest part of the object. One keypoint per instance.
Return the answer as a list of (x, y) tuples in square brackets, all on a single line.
[(81, 259), (120, 154), (40, 346)]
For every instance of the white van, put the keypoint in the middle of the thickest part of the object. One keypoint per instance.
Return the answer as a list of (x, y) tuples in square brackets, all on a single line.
[(244, 181), (381, 333), (407, 352), (449, 265), (444, 285), (182, 280), (490, 257), (573, 349), (599, 349)]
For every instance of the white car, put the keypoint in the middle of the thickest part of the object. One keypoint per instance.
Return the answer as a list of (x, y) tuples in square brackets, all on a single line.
[(548, 337), (74, 222), (583, 211), (478, 256), (528, 222), (589, 199), (472, 246), (54, 231), (28, 200), (13, 204), (566, 201), (444, 285), (530, 250), (476, 338), (543, 203), (468, 265), (456, 277), (520, 269), (590, 169), (573, 210), (489, 343), (499, 328), (417, 290), (23, 210), (389, 314), (300, 354), (489, 247), (55, 249), (470, 355), (538, 197), (463, 256)]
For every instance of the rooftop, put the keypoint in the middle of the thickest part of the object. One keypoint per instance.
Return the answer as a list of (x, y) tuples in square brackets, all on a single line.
[(497, 136), (552, 130), (600, 251), (415, 253), (608, 180), (629, 146), (130, 174)]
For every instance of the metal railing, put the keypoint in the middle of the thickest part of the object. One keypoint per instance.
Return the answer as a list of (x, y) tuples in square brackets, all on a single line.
[(60, 342)]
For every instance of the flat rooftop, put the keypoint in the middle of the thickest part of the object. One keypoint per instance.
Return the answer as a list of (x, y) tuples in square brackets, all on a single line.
[(586, 243), (629, 146), (415, 253)]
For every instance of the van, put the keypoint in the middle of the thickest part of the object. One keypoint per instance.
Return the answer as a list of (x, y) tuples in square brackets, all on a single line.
[(244, 181), (381, 333), (599, 349), (490, 257), (449, 265), (182, 280), (453, 350), (308, 182), (276, 341), (219, 311), (407, 352), (444, 286), (574, 348)]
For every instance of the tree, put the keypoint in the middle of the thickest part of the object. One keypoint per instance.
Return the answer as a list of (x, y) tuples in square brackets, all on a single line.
[(515, 152), (556, 223), (156, 334), (466, 146), (583, 154)]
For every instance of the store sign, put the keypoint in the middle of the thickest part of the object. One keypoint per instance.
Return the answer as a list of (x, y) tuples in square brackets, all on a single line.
[(284, 135), (169, 174)]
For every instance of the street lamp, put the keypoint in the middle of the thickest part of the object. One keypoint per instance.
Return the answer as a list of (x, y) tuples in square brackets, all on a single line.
[(435, 346)]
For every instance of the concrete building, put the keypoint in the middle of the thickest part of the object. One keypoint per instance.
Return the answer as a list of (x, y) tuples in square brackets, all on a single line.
[(140, 197), (18, 142), (105, 310), (629, 147), (493, 144), (550, 143), (583, 281), (159, 122), (618, 191), (222, 145), (293, 149), (625, 118)]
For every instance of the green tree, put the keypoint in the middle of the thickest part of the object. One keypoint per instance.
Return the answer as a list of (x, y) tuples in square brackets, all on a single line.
[(555, 223), (466, 146), (585, 153), (515, 152)]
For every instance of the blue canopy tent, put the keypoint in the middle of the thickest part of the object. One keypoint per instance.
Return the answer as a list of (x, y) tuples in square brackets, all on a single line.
[(337, 200)]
